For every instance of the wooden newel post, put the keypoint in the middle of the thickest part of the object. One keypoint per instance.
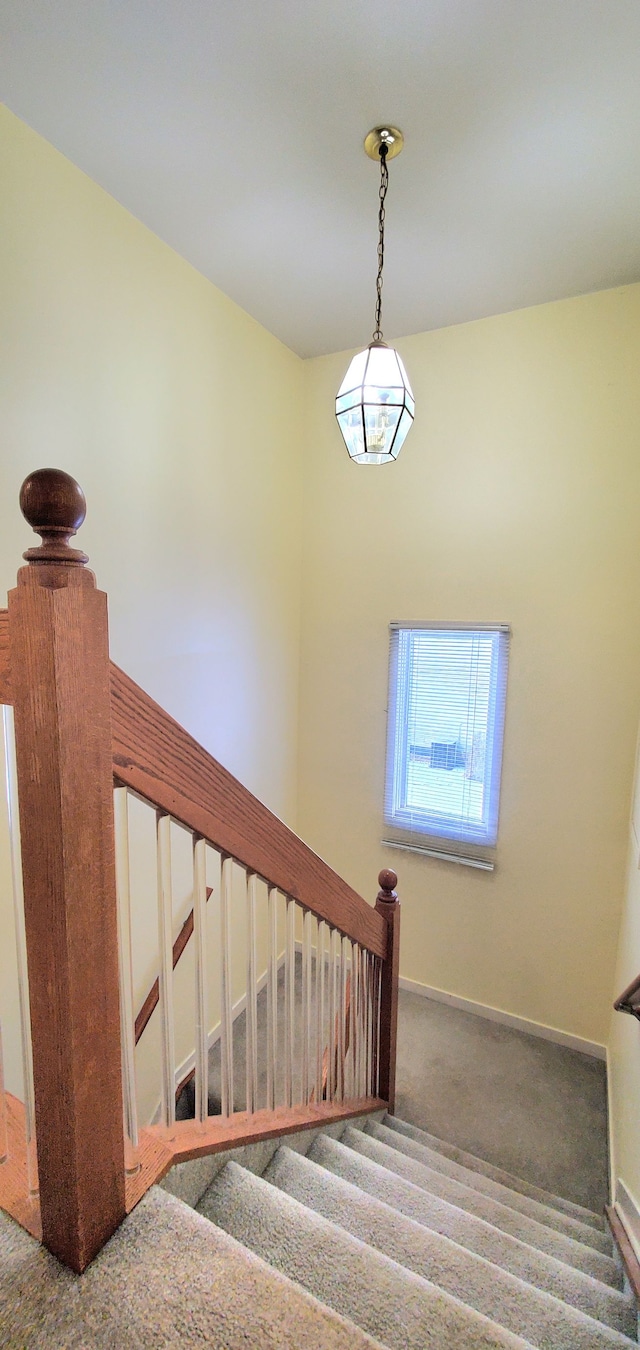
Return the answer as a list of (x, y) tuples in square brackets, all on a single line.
[(60, 658), (388, 905)]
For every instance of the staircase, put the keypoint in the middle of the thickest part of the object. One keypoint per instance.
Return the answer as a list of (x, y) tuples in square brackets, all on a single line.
[(419, 1244), (375, 1236), (331, 1223)]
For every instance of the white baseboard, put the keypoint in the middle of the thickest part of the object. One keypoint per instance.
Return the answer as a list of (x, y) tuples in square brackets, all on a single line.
[(628, 1212), (507, 1019)]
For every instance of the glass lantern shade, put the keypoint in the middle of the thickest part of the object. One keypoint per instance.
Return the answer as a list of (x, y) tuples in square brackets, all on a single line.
[(375, 405)]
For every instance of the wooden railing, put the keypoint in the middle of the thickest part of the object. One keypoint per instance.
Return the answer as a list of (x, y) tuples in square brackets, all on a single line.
[(629, 1000), (322, 962), (81, 726)]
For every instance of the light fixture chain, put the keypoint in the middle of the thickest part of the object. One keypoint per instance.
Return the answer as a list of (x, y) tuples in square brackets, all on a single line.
[(384, 183)]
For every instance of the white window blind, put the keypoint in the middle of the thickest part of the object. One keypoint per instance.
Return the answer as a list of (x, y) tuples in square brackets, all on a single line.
[(447, 695)]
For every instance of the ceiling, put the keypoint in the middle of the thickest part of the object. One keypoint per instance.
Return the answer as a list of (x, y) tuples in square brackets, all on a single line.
[(234, 129)]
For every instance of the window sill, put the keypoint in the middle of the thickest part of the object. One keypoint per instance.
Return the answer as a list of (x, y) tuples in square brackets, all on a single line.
[(441, 854)]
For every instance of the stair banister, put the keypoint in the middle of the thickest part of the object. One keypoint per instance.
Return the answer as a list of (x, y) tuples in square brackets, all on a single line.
[(81, 726), (59, 653), (629, 1000)]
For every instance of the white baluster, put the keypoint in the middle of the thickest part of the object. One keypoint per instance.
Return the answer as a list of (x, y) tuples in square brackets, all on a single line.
[(378, 1005), (272, 997), (367, 1023), (251, 1014), (306, 1004), (320, 1041), (362, 1026), (165, 968), (21, 948), (125, 963), (333, 1011), (373, 1018), (353, 1023), (289, 998), (226, 1019), (200, 962), (342, 1018), (358, 1022)]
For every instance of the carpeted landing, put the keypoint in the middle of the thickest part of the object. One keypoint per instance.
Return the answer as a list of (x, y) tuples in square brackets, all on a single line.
[(527, 1104), (381, 1236)]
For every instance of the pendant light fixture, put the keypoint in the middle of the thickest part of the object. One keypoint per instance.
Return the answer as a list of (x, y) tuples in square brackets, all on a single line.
[(375, 405)]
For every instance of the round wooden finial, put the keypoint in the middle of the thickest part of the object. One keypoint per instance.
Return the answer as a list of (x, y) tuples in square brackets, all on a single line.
[(54, 506), (387, 882)]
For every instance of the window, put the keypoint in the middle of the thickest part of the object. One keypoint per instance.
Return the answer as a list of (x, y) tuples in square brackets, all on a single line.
[(447, 690)]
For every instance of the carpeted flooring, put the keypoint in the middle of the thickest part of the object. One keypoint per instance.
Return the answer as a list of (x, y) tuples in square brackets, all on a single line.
[(166, 1279), (537, 1109), (407, 1234), (378, 1238), (423, 1252)]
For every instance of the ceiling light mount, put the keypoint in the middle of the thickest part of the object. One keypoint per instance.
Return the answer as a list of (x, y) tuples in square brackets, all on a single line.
[(384, 135)]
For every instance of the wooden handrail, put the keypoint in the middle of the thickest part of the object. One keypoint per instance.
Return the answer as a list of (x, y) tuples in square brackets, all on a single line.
[(629, 1000), (154, 756), (153, 997), (621, 1239)]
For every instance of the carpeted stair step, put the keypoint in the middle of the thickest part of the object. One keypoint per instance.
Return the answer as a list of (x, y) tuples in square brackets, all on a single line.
[(599, 1300), (396, 1307), (166, 1278), (541, 1319), (487, 1169), (523, 1204), (484, 1207)]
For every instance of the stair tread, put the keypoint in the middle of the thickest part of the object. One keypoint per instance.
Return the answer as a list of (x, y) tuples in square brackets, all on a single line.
[(556, 1244), (523, 1204), (509, 1179), (521, 1308), (580, 1290), (400, 1309), (167, 1277)]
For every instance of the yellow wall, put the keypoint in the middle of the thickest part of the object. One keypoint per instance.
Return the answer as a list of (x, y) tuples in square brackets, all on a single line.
[(624, 1041), (515, 499), (181, 418), (123, 365)]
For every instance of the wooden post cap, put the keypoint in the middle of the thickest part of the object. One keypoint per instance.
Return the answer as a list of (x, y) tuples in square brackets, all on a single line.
[(54, 506), (387, 882)]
